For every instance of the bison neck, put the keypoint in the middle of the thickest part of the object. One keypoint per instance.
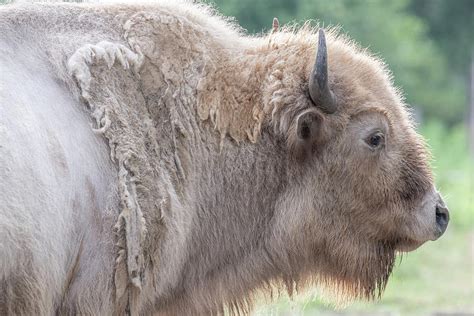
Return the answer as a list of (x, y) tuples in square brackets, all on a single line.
[(219, 226), (228, 174)]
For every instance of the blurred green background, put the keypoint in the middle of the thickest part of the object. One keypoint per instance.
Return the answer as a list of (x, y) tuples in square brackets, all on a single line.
[(429, 46)]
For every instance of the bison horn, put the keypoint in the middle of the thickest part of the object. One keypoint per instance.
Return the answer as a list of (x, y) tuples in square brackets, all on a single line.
[(275, 25), (319, 90)]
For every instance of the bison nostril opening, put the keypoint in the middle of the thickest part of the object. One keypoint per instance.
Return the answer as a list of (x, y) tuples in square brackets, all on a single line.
[(442, 218)]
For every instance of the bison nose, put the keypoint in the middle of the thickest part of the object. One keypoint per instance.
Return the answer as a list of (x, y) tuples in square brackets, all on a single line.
[(442, 218)]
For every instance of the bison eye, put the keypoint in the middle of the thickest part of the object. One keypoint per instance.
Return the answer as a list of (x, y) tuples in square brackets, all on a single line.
[(375, 140)]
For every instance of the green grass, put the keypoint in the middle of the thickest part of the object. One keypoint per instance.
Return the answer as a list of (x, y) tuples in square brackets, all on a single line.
[(439, 276)]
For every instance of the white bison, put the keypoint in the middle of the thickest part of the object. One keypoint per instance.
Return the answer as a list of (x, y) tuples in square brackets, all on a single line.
[(154, 160)]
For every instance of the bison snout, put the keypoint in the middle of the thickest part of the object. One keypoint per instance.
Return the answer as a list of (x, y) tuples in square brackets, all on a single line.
[(442, 218)]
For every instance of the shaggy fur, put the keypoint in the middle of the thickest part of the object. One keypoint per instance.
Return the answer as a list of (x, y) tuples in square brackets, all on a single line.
[(205, 195)]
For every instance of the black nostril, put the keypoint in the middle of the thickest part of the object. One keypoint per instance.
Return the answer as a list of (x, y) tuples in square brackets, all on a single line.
[(442, 217)]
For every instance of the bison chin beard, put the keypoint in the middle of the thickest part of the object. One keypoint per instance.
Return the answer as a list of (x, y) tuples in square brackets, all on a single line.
[(343, 274)]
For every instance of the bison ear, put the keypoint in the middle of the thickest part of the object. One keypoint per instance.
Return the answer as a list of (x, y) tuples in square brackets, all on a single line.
[(308, 125), (307, 132)]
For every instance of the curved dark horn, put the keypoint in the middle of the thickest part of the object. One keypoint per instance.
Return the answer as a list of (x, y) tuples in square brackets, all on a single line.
[(319, 90)]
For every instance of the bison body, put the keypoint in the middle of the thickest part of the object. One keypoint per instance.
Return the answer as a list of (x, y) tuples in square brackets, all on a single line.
[(155, 160)]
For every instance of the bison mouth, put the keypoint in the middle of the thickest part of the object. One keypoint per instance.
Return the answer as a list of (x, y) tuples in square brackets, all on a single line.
[(407, 245)]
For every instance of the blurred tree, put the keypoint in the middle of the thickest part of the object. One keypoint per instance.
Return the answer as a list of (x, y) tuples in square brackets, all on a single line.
[(451, 24), (389, 29)]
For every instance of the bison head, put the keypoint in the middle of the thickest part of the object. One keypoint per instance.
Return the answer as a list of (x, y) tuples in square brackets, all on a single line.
[(360, 186)]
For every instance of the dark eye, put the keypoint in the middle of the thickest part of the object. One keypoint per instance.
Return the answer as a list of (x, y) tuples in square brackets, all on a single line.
[(375, 140)]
